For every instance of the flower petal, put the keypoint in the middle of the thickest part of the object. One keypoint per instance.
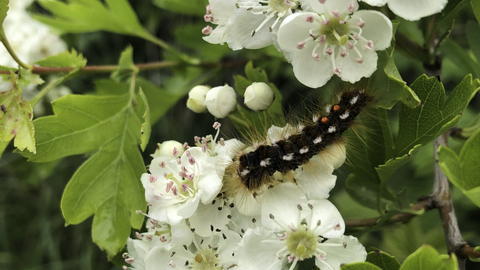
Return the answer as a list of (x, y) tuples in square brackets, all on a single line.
[(332, 224), (222, 10), (258, 250), (413, 10), (181, 234), (315, 178), (349, 250), (340, 5), (218, 35), (295, 29), (242, 23), (352, 71), (377, 3), (281, 201), (310, 72), (378, 28), (189, 207), (209, 215)]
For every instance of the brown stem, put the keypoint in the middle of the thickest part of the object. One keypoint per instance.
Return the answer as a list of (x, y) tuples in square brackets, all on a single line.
[(442, 200), (403, 217)]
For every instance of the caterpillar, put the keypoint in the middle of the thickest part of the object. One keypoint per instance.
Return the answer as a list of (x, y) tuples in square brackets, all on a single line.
[(252, 169)]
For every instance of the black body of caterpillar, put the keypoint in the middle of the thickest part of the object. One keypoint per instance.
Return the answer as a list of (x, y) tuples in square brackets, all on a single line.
[(297, 149)]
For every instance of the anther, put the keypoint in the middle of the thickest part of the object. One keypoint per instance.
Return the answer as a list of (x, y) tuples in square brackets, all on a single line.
[(326, 22), (301, 44), (369, 45), (207, 30), (337, 71), (360, 24), (153, 178), (138, 235), (359, 60), (309, 19), (316, 57), (351, 7), (322, 1), (335, 13), (216, 125), (299, 207)]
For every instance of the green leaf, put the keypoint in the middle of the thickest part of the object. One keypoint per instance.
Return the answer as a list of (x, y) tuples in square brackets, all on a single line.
[(65, 59), (460, 57), (144, 111), (80, 16), (423, 124), (3, 10), (462, 170), (387, 85), (386, 170), (473, 37), (451, 10), (191, 7), (360, 266), (401, 204), (476, 9), (3, 146), (125, 65), (427, 258), (107, 184), (16, 119), (473, 259), (26, 77), (383, 260)]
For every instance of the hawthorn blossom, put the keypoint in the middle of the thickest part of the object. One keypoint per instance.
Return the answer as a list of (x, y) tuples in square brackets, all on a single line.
[(335, 38), (295, 229), (176, 186), (254, 23), (412, 10)]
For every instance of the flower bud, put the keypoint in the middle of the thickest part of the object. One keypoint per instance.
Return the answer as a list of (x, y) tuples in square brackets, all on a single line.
[(196, 98), (259, 96), (168, 149), (221, 101)]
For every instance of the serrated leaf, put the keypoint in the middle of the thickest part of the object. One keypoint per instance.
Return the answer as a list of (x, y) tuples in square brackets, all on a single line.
[(360, 266), (427, 258), (125, 65), (401, 204), (462, 170), (143, 111), (3, 10), (16, 119), (423, 124), (65, 59), (388, 86), (26, 77), (191, 7), (383, 260), (365, 192), (107, 184), (80, 16)]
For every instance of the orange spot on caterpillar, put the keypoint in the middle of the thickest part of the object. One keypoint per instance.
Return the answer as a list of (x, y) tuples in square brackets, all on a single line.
[(336, 107), (324, 120)]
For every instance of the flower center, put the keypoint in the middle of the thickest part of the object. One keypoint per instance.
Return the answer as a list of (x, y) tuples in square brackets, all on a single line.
[(335, 32), (302, 244), (280, 5), (206, 260)]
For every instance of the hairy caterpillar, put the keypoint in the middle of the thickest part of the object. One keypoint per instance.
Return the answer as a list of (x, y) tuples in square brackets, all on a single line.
[(253, 168)]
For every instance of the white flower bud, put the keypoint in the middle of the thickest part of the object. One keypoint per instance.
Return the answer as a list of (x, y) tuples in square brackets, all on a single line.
[(167, 149), (196, 98), (259, 96), (221, 101)]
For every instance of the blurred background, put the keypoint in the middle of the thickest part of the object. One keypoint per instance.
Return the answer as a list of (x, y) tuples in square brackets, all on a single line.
[(32, 231)]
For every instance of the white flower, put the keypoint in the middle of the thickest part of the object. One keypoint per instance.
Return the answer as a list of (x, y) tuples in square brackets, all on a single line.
[(334, 39), (215, 252), (176, 186), (412, 10), (296, 229), (254, 24), (196, 98), (169, 149), (218, 12), (259, 96), (221, 101)]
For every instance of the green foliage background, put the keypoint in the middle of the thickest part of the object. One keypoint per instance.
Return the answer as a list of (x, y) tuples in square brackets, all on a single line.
[(32, 231)]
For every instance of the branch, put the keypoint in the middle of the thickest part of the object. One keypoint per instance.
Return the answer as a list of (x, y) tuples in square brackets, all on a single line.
[(403, 217)]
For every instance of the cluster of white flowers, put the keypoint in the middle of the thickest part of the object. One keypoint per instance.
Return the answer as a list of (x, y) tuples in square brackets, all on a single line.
[(319, 37), (220, 101), (193, 225)]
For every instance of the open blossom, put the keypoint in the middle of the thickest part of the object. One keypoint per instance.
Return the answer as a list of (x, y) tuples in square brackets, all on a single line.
[(295, 229), (334, 39), (412, 10), (176, 186), (255, 23)]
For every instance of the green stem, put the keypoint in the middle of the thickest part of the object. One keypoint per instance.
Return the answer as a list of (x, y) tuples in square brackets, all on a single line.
[(4, 40), (238, 120), (44, 91)]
